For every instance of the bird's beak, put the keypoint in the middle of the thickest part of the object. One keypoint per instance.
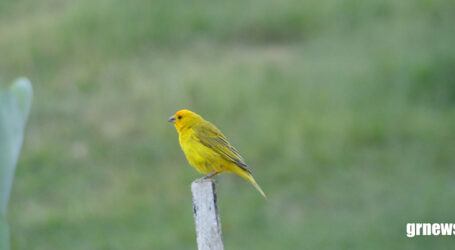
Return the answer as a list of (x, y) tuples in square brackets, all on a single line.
[(171, 119)]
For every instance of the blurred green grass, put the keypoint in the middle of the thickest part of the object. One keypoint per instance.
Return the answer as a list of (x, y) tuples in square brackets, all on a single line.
[(343, 109)]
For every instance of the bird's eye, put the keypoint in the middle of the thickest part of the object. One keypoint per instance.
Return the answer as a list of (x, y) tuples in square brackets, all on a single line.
[(180, 117)]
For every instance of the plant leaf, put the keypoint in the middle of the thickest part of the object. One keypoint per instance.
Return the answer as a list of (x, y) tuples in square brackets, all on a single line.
[(22, 90), (4, 234), (14, 109)]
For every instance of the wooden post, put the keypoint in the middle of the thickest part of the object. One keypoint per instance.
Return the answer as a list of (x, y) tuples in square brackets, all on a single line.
[(206, 217)]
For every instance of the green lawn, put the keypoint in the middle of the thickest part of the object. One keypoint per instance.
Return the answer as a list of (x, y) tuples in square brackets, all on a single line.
[(344, 110)]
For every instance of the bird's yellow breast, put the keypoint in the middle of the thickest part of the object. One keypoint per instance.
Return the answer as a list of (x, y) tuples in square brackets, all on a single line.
[(204, 159)]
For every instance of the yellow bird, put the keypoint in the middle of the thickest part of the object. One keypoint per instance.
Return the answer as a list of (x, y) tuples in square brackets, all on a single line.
[(207, 149)]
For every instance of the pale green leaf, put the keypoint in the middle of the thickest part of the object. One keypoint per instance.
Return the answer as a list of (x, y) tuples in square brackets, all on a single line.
[(14, 108)]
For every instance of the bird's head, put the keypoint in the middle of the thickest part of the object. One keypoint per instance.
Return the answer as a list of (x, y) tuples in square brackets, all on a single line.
[(184, 118)]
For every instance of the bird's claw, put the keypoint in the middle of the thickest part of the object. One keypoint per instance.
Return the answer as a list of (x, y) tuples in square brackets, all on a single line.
[(207, 176)]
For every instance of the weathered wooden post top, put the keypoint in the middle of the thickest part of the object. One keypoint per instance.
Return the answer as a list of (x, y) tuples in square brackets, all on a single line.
[(206, 217)]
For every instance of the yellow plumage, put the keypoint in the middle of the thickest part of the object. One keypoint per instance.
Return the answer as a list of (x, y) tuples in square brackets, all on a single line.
[(207, 149)]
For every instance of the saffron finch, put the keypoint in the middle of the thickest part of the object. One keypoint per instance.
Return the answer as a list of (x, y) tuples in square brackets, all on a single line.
[(207, 149)]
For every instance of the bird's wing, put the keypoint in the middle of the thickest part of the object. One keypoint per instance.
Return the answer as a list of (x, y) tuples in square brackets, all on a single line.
[(211, 137)]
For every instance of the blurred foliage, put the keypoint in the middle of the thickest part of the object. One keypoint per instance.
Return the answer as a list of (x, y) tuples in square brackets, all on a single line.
[(15, 104), (343, 109), (4, 234)]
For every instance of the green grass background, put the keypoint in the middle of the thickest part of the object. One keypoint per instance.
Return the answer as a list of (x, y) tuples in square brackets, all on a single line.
[(344, 110)]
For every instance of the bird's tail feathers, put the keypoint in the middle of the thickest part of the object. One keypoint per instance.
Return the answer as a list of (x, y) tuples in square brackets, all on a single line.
[(247, 176)]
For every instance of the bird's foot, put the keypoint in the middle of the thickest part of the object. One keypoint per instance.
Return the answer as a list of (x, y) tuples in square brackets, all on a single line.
[(209, 175)]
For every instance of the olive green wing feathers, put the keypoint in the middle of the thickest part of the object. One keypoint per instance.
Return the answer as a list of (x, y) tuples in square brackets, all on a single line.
[(211, 137)]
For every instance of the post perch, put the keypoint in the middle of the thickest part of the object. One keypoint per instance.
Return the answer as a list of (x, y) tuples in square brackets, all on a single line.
[(206, 217)]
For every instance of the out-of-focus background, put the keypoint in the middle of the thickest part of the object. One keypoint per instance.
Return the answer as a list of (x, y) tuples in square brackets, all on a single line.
[(345, 111)]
